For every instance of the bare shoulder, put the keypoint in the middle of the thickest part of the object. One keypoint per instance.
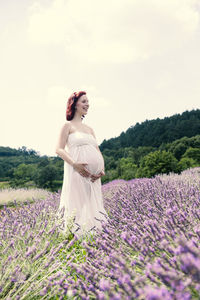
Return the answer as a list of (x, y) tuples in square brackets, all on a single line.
[(63, 136), (89, 128), (67, 124), (65, 128)]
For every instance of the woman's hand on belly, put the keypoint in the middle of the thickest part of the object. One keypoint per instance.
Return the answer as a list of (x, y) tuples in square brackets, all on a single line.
[(80, 167), (95, 177)]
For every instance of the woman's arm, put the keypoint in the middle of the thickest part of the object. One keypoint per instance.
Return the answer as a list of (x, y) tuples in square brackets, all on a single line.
[(60, 147)]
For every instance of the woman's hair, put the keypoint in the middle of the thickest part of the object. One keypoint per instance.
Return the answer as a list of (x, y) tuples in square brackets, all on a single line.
[(71, 103)]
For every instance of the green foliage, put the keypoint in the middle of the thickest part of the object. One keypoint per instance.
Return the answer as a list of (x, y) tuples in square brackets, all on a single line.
[(46, 177), (110, 175), (4, 184), (125, 157), (186, 163), (110, 161), (22, 174), (157, 162), (193, 153), (126, 168), (179, 146), (155, 132), (137, 153)]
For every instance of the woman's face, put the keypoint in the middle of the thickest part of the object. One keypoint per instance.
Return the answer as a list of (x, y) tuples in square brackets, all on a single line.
[(82, 105)]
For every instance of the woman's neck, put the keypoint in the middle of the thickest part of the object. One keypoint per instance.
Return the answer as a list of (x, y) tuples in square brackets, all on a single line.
[(77, 118)]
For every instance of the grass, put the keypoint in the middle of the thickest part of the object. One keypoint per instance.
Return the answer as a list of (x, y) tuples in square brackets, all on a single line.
[(12, 197)]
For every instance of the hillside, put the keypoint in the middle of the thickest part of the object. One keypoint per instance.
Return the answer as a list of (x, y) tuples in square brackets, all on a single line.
[(157, 131), (172, 146)]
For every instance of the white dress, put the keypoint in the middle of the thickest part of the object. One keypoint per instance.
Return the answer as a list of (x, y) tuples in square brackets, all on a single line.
[(81, 198)]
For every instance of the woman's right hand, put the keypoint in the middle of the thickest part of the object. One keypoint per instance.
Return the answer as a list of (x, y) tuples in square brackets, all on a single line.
[(80, 168)]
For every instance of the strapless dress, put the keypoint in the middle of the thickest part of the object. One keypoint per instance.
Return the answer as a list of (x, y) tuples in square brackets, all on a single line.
[(82, 199)]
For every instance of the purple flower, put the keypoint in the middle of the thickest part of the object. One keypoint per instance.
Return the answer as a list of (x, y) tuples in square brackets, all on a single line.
[(157, 294), (191, 265), (44, 291), (104, 284), (101, 296), (124, 235)]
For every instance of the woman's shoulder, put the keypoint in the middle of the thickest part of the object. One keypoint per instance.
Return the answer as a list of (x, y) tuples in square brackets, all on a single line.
[(66, 125), (89, 127)]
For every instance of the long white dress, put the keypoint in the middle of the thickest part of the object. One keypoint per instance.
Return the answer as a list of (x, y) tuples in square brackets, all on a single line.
[(81, 198)]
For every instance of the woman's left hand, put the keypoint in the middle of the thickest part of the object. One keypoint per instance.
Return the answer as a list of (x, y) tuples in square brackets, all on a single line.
[(97, 176)]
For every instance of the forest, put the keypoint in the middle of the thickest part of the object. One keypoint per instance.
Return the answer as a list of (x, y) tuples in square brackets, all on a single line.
[(146, 149)]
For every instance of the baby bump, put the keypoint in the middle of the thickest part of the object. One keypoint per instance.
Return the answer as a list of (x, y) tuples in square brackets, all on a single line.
[(92, 157)]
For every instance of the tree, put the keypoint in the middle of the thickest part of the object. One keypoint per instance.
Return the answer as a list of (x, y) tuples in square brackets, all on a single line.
[(126, 168), (186, 163), (157, 162), (109, 176), (22, 174), (46, 177), (193, 153)]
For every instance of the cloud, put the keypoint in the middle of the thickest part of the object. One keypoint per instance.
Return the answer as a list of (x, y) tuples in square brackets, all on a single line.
[(114, 31)]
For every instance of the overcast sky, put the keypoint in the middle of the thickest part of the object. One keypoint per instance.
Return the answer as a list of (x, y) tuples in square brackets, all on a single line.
[(136, 59)]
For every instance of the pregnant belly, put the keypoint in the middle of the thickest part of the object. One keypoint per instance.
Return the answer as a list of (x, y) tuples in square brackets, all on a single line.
[(92, 157)]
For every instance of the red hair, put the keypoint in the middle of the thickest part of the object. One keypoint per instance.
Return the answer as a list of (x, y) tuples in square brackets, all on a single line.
[(71, 103)]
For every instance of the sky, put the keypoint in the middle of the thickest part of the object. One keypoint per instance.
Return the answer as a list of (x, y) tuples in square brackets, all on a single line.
[(137, 60)]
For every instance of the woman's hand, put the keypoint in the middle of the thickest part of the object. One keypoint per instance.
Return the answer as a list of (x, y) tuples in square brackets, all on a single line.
[(97, 176), (79, 167), (102, 173)]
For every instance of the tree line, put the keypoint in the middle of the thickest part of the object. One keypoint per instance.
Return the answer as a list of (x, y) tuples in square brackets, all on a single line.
[(125, 157), (157, 131)]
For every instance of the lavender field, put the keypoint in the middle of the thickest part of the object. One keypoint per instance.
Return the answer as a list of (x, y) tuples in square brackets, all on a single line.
[(149, 247)]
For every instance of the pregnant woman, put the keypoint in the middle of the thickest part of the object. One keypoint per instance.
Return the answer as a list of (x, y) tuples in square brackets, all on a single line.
[(81, 194)]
